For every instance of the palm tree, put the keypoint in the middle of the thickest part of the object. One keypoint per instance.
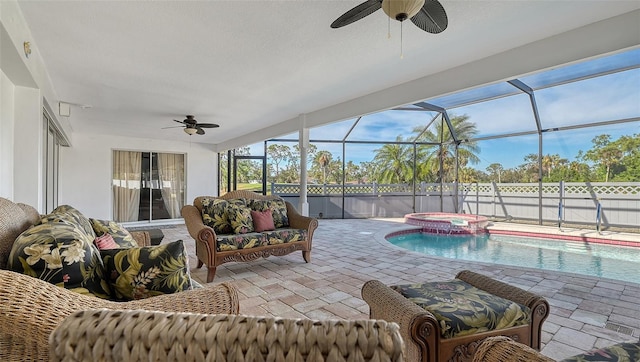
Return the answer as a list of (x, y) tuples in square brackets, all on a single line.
[(395, 161), (323, 159), (445, 148)]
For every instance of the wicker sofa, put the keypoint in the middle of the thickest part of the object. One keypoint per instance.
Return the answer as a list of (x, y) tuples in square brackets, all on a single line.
[(144, 336), (216, 248), (430, 338), (502, 348), (31, 308)]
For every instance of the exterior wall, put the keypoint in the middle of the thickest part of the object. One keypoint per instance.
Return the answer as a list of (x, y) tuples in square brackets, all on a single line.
[(86, 170)]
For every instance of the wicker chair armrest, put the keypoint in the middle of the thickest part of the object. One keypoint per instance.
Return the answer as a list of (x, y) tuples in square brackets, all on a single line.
[(31, 308), (109, 335), (502, 348), (210, 299), (141, 237), (298, 221), (389, 305), (193, 220)]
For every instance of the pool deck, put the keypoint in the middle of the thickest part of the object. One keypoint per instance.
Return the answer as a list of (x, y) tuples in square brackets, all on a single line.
[(585, 311)]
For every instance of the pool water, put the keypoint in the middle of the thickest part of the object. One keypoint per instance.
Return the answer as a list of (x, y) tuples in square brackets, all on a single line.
[(601, 260)]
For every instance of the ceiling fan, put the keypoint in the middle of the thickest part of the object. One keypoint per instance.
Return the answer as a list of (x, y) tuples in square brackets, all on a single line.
[(428, 15), (191, 126)]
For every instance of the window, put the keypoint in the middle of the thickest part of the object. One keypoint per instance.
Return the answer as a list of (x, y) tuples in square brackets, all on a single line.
[(147, 186)]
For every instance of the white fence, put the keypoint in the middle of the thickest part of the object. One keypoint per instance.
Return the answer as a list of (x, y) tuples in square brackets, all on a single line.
[(571, 202)]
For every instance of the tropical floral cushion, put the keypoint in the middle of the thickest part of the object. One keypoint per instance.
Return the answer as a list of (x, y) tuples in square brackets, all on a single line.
[(214, 215), (62, 254), (120, 235), (626, 352), (278, 210), (463, 309), (240, 241), (283, 236), (240, 219), (252, 240), (142, 272), (69, 214)]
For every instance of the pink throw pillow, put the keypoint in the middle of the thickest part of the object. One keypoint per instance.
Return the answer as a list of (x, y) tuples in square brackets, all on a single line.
[(106, 242), (262, 220)]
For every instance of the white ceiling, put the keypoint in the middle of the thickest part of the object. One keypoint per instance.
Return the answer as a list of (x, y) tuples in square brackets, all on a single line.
[(251, 66)]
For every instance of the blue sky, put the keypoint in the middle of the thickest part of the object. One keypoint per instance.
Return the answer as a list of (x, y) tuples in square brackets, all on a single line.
[(609, 97)]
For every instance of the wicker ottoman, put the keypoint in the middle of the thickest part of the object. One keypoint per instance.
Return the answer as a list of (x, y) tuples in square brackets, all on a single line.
[(455, 316)]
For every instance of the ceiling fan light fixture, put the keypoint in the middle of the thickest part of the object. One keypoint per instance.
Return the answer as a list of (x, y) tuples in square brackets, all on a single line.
[(401, 10), (190, 131)]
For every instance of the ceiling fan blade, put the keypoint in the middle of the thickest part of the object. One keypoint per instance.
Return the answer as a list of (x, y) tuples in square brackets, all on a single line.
[(366, 8), (200, 130), (175, 120), (208, 125), (431, 18), (172, 127)]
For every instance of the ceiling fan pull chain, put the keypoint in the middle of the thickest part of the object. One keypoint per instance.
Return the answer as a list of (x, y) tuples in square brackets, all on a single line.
[(401, 50), (388, 28)]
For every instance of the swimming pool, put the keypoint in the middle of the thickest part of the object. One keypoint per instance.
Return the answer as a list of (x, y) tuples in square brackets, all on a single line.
[(606, 261)]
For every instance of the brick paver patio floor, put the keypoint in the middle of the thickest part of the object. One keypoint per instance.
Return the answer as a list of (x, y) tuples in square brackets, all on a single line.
[(346, 253)]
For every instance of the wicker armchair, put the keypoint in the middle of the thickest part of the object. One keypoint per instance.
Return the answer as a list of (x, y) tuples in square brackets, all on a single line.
[(108, 335), (30, 309), (422, 332), (502, 348)]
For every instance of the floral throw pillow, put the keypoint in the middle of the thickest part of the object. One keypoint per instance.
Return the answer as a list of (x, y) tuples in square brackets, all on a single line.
[(278, 210), (61, 254), (240, 219), (69, 214), (105, 242), (214, 215), (142, 272), (120, 235)]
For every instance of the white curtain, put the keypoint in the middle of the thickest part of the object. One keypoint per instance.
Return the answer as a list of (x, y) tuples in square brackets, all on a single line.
[(127, 174), (171, 176)]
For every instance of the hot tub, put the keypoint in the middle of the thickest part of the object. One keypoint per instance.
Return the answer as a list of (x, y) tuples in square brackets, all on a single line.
[(447, 223)]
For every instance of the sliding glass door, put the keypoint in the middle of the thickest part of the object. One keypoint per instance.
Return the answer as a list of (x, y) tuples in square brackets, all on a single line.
[(147, 186), (50, 163)]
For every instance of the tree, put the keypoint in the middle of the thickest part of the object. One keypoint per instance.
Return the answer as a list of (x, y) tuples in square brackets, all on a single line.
[(370, 171), (322, 160), (630, 146), (529, 170), (553, 163), (604, 154), (495, 169), (353, 172), (443, 146), (395, 161), (295, 155), (278, 153)]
